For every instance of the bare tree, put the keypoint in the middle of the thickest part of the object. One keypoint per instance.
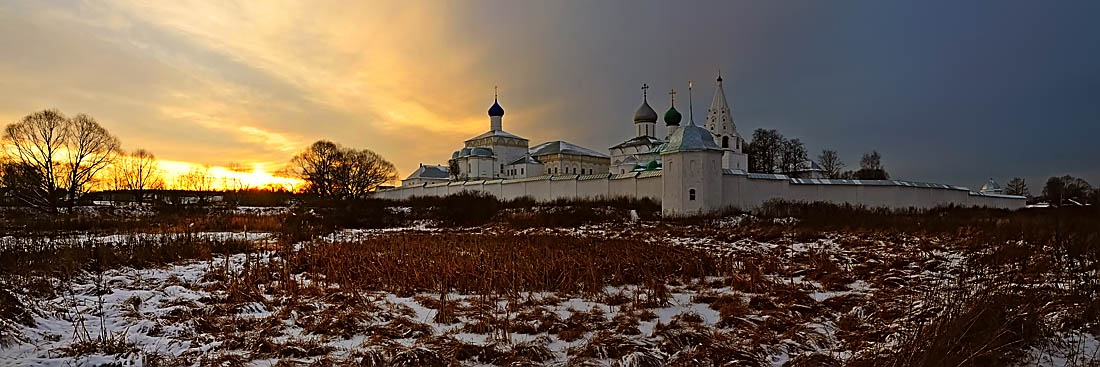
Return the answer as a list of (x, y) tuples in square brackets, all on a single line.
[(1067, 190), (90, 149), (765, 151), (870, 161), (830, 163), (1017, 186), (318, 166), (197, 179), (793, 156), (67, 155), (330, 170), (870, 167), (365, 171), (137, 172), (24, 182), (454, 169)]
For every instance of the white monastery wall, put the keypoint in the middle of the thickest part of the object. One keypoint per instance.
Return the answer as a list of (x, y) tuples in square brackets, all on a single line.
[(740, 190), (649, 187), (590, 187)]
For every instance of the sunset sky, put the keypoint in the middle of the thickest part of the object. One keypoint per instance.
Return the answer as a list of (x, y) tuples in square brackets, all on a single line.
[(947, 92)]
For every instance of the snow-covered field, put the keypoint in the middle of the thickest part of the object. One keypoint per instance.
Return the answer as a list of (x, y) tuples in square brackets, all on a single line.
[(773, 300)]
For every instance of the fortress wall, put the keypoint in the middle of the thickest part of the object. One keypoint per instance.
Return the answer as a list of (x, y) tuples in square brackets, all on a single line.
[(627, 187), (545, 189), (512, 190), (731, 191), (649, 187), (743, 191), (593, 188), (495, 188), (563, 188), (538, 189), (755, 191), (455, 187), (878, 196), (995, 201)]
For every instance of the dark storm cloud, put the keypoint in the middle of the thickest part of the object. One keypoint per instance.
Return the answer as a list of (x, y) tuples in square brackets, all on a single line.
[(947, 91), (952, 92)]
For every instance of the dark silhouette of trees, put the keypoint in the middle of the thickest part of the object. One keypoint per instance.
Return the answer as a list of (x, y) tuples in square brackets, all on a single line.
[(765, 150), (137, 172), (793, 156), (331, 170), (454, 169), (771, 152), (1017, 186), (196, 179), (1067, 190), (870, 167), (830, 163), (56, 159), (24, 183)]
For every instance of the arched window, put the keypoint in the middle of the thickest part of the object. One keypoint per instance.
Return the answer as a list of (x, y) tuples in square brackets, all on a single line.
[(725, 142), (691, 194)]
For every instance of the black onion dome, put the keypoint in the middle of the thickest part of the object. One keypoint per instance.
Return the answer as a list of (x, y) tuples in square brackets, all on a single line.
[(496, 110), (645, 113)]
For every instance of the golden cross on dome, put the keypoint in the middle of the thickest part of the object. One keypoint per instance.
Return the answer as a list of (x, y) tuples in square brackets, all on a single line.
[(645, 90), (672, 96)]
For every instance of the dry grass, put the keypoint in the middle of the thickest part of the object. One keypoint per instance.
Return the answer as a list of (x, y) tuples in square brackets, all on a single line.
[(944, 287), (502, 264)]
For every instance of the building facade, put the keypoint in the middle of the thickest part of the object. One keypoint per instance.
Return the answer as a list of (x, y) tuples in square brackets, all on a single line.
[(692, 169), (498, 154)]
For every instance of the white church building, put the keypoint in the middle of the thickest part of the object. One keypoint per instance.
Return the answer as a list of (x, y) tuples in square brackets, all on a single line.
[(497, 154), (692, 169)]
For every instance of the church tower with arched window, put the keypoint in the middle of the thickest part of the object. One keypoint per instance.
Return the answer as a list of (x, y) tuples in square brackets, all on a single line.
[(720, 124)]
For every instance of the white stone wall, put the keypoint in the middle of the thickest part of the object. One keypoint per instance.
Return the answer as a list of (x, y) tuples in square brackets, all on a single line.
[(732, 190), (544, 188)]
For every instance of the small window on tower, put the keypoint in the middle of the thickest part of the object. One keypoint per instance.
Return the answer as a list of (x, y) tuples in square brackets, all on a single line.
[(725, 142), (691, 194)]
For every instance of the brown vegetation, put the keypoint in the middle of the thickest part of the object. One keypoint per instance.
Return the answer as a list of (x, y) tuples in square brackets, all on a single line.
[(942, 287)]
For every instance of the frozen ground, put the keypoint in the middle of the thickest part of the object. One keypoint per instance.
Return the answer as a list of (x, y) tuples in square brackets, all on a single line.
[(820, 300)]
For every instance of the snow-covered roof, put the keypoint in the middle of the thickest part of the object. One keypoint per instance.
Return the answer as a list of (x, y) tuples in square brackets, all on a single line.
[(500, 133), (472, 152), (691, 138), (824, 181), (562, 147), (640, 140), (730, 171), (430, 171), (528, 159)]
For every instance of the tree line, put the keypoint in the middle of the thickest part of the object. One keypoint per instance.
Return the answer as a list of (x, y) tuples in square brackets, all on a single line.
[(1057, 191), (52, 161), (771, 152)]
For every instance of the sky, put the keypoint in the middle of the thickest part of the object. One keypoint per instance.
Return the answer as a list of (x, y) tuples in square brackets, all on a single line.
[(947, 91)]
